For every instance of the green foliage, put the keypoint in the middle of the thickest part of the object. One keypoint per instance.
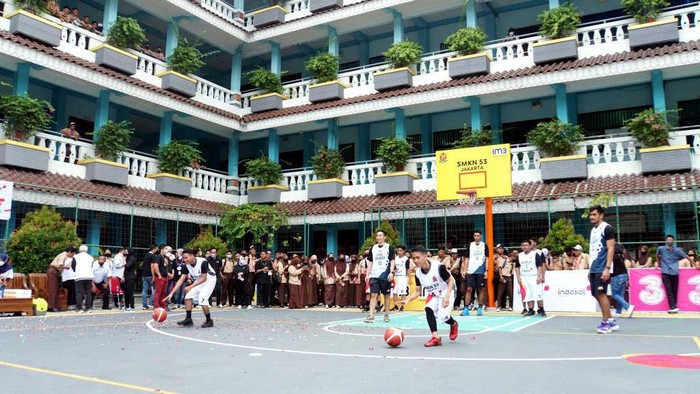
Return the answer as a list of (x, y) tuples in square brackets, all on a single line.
[(187, 58), (111, 139), (644, 11), (392, 236), (265, 79), (206, 240), (559, 22), (649, 127), (603, 199), (404, 53), (562, 235), (324, 67), (42, 236), (260, 221), (33, 6), (175, 156), (25, 116), (394, 152), (264, 171), (556, 138), (467, 41), (126, 33), (470, 139), (328, 163)]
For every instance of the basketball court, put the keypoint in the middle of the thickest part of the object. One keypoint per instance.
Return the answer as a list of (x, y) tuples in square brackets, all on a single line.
[(322, 351)]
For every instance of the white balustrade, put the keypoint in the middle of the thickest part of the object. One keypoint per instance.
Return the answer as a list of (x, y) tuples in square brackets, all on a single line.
[(140, 165), (363, 174), (298, 180), (611, 150), (512, 50), (213, 94), (687, 135), (208, 180), (149, 64), (434, 62), (62, 148), (525, 158), (297, 6), (222, 9), (424, 167), (363, 76), (297, 89), (244, 184), (78, 41)]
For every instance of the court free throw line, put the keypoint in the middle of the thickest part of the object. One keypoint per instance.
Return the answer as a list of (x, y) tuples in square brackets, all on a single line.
[(536, 322)]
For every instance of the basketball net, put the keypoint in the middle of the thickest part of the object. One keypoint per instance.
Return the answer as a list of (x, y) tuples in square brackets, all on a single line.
[(467, 200)]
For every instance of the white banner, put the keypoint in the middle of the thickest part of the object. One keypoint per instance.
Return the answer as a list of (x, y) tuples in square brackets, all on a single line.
[(6, 199), (564, 291)]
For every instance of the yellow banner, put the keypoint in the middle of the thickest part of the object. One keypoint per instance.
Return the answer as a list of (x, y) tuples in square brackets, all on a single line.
[(483, 169)]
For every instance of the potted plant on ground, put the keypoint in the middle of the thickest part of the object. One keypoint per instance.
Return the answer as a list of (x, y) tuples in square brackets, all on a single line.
[(322, 5), (110, 141), (124, 34), (328, 165), (403, 57), (24, 117), (269, 16), (648, 31), (557, 26), (469, 44), (26, 21), (394, 153), (267, 174), (185, 59), (173, 160), (271, 83), (324, 67), (559, 143), (651, 129)]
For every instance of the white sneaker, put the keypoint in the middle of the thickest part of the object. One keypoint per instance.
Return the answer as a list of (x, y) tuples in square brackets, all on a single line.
[(218, 305), (239, 307), (674, 310), (498, 309), (249, 307), (630, 311)]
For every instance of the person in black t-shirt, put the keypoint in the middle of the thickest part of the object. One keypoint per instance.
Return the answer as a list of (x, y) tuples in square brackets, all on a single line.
[(263, 280), (216, 266), (147, 276), (240, 283), (159, 269)]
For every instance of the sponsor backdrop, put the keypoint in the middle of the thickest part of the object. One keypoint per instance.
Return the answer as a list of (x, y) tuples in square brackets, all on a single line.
[(564, 291), (647, 291)]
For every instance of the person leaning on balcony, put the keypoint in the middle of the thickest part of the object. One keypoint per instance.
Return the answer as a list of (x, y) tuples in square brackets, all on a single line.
[(53, 8), (65, 15), (70, 132), (75, 17)]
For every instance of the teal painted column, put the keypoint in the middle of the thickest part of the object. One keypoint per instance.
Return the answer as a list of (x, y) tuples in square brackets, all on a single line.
[(471, 13), (101, 109), (93, 236), (490, 26), (399, 123), (171, 37), (22, 79), (233, 153), (236, 69), (496, 125), (332, 142), (161, 231), (332, 239), (553, 4), (363, 48), (426, 133), (562, 102), (333, 42), (572, 104), (475, 113), (273, 146), (308, 145), (363, 143), (657, 89), (59, 100), (398, 26), (110, 15), (275, 58), (669, 219), (166, 128)]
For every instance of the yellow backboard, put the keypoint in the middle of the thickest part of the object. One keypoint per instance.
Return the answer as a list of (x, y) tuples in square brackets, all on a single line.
[(484, 169)]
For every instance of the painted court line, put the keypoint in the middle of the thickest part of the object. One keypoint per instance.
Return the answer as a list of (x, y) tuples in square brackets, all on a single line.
[(538, 321), (84, 378), (697, 341), (340, 322)]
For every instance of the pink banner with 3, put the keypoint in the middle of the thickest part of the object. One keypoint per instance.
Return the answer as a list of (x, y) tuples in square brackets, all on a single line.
[(647, 291)]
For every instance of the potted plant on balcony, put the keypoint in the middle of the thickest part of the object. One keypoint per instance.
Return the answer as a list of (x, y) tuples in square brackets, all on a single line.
[(328, 165), (125, 33), (267, 174), (322, 5), (324, 67), (559, 141), (185, 59), (557, 26), (651, 129), (24, 117), (110, 141), (26, 21), (173, 160), (271, 83), (394, 153), (269, 16), (403, 57), (470, 138), (469, 44), (648, 31)]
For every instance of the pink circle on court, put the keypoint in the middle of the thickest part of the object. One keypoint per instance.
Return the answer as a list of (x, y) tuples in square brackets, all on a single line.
[(546, 288), (673, 361)]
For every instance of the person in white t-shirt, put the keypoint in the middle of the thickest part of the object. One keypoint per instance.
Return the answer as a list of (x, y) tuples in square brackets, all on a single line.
[(400, 289), (529, 271), (203, 281), (474, 273), (380, 274)]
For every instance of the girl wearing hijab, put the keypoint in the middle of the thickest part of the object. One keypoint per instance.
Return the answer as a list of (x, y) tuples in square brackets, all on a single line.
[(329, 281), (342, 280), (295, 288), (310, 280), (355, 291)]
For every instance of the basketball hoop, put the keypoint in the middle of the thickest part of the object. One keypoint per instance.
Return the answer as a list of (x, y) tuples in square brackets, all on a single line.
[(467, 200)]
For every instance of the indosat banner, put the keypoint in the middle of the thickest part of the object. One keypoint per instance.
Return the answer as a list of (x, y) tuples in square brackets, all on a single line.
[(564, 291)]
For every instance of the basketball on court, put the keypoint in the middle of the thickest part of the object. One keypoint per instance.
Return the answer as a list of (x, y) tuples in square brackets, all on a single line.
[(393, 337), (160, 315)]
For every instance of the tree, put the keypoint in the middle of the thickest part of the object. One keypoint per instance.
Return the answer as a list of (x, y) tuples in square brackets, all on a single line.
[(42, 235), (260, 221), (392, 236), (561, 235), (603, 199), (206, 240)]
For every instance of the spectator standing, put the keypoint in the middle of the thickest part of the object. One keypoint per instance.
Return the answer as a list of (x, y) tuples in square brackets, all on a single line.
[(644, 260), (295, 286), (310, 281), (61, 262), (505, 286), (400, 290), (282, 269), (226, 275), (342, 280), (68, 281), (263, 280), (240, 278), (82, 265), (456, 271), (668, 257), (159, 271), (251, 259), (72, 133), (101, 274), (618, 282), (118, 263), (215, 265), (147, 278), (329, 281), (355, 297), (129, 279)]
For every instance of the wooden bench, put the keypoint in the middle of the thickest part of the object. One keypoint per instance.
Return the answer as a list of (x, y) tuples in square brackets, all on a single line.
[(39, 283), (17, 305)]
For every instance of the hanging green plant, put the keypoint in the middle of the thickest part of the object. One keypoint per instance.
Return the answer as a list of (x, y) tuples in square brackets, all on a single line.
[(556, 138), (111, 139), (187, 58), (126, 33), (323, 67), (176, 156)]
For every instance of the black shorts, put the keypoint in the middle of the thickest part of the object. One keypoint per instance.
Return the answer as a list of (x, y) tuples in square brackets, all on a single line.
[(379, 286), (476, 281), (597, 284)]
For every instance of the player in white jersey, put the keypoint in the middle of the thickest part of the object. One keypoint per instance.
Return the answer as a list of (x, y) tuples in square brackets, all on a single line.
[(400, 290), (380, 273), (438, 283), (529, 270), (202, 279)]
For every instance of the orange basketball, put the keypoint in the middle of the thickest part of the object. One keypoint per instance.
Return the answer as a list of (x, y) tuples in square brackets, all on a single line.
[(393, 337), (160, 314)]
